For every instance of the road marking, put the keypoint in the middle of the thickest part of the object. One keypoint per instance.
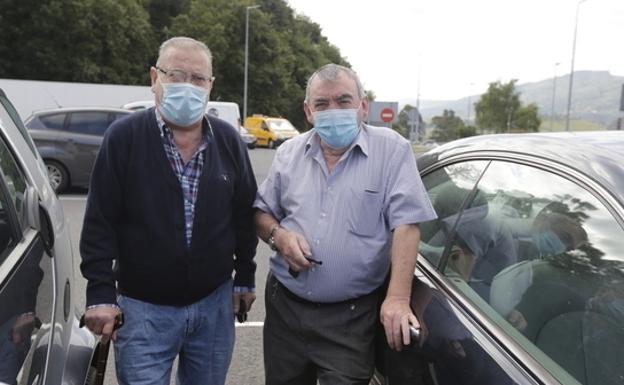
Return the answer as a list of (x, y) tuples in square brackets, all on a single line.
[(73, 198), (249, 325)]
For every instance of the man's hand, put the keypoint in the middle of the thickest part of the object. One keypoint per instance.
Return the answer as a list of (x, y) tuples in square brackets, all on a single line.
[(22, 329), (101, 321), (397, 316), (517, 320), (294, 248), (248, 298)]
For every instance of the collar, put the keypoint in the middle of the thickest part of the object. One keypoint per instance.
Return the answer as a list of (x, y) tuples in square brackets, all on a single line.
[(313, 144), (165, 130)]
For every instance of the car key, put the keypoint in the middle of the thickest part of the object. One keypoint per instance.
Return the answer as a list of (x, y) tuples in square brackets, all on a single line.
[(295, 274)]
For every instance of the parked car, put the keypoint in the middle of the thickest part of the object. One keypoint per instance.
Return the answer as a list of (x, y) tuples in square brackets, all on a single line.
[(523, 271), (69, 139), (227, 111), (40, 338), (270, 132)]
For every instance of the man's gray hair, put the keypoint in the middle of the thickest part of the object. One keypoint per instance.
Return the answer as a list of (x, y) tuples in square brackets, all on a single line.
[(330, 72), (183, 42)]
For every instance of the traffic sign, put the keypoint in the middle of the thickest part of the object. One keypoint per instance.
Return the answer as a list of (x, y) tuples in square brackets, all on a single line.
[(387, 115)]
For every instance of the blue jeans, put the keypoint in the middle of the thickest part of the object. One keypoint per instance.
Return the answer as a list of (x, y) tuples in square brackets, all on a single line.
[(201, 334)]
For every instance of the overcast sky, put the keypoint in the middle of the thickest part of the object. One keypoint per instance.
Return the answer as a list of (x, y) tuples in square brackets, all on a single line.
[(459, 46)]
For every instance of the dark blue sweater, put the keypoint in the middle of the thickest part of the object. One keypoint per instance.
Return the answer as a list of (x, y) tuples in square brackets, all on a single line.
[(135, 215)]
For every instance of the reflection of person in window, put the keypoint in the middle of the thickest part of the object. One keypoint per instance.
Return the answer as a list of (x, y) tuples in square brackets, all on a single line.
[(17, 317), (552, 234), (483, 244)]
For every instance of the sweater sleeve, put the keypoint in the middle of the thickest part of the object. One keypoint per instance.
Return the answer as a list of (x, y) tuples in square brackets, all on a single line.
[(98, 241), (246, 238)]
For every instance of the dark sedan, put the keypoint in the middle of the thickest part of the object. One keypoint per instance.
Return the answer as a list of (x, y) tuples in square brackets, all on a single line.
[(521, 277), (69, 139)]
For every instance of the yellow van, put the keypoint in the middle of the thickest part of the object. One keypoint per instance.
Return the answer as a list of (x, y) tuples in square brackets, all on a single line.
[(270, 132)]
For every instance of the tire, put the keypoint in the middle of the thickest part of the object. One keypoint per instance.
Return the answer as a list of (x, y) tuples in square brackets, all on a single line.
[(57, 175), (271, 144)]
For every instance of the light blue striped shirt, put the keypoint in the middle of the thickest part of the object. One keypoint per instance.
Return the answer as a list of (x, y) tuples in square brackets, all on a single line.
[(346, 216)]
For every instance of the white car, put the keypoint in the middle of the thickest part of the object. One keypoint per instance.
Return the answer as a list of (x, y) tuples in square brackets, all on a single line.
[(40, 339)]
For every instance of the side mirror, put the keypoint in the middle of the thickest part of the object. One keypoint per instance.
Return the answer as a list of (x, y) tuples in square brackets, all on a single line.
[(38, 218)]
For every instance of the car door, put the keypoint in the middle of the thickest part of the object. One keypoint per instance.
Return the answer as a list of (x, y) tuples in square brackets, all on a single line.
[(530, 256), (26, 280), (83, 137)]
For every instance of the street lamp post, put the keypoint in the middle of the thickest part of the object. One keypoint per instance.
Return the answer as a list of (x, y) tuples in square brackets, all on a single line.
[(552, 105), (246, 57), (578, 5)]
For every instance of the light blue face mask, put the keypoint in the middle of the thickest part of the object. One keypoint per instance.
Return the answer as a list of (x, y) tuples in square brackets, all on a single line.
[(183, 103), (548, 243), (338, 128)]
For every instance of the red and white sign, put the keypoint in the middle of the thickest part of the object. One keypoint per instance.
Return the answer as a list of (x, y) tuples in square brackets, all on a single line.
[(387, 115)]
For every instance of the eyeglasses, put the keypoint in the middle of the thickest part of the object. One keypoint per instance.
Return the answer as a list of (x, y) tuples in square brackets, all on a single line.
[(179, 76)]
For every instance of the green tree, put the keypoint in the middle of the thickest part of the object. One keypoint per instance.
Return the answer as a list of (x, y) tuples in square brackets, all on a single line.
[(402, 126), (100, 41), (448, 127), (527, 118), (500, 110), (495, 109), (284, 50)]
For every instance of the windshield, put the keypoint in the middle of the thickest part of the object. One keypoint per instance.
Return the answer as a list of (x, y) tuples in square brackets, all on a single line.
[(281, 125)]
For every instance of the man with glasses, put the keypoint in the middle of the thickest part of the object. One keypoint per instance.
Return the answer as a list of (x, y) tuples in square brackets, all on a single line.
[(169, 219)]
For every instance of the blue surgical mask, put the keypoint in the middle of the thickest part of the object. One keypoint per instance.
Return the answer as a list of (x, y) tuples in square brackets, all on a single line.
[(338, 128), (183, 103), (548, 243)]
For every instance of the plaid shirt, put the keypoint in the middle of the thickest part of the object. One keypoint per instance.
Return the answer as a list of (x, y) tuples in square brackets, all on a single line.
[(188, 174)]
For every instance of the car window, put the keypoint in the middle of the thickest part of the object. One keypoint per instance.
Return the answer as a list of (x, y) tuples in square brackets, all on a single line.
[(118, 115), (52, 121), (9, 114), (543, 258), (15, 182), (89, 122), (448, 189)]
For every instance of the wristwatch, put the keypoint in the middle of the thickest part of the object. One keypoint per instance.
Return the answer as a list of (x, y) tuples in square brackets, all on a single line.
[(271, 240)]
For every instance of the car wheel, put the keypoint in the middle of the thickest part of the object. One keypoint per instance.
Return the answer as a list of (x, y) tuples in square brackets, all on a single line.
[(58, 176), (271, 144)]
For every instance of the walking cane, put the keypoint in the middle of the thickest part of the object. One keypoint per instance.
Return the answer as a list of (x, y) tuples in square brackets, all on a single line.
[(97, 369)]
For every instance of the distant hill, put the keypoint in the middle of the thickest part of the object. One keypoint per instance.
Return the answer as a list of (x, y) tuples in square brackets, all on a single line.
[(595, 98)]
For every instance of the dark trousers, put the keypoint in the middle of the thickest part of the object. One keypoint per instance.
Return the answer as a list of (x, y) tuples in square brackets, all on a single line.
[(305, 341)]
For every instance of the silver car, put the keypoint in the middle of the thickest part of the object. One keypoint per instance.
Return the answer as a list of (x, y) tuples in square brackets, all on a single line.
[(40, 341), (69, 139)]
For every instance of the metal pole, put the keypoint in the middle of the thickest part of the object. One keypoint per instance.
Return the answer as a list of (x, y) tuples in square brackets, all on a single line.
[(552, 106), (469, 103), (578, 5), (246, 58)]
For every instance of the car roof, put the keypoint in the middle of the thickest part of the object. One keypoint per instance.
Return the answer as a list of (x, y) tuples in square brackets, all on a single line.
[(598, 155), (80, 108)]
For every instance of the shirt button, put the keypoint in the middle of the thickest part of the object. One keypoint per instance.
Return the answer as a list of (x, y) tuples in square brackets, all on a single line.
[(323, 215), (313, 269), (317, 241), (309, 293)]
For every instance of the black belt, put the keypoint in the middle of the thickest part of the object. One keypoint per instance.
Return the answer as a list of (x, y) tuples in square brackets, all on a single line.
[(304, 301)]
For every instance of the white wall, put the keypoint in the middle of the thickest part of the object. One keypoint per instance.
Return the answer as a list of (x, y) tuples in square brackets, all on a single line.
[(31, 95)]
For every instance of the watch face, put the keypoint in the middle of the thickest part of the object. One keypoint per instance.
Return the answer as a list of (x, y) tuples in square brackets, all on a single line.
[(271, 243)]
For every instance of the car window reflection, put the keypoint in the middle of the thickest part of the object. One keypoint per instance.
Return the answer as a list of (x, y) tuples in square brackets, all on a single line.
[(539, 251)]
